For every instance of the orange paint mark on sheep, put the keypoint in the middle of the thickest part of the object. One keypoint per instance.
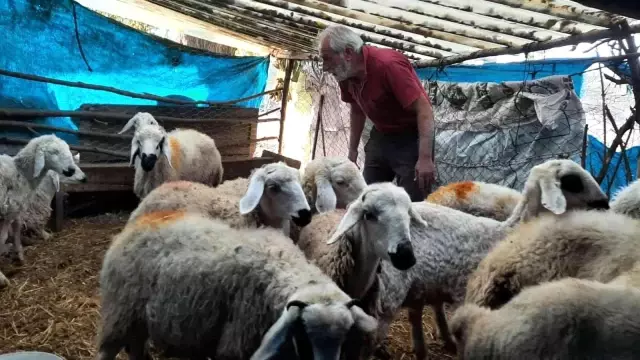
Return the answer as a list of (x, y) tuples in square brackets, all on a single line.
[(160, 217), (457, 191), (174, 145)]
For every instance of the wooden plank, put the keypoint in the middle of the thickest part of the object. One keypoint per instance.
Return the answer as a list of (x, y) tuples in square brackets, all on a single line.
[(287, 160)]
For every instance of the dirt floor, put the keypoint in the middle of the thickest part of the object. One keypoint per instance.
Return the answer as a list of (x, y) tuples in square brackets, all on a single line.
[(53, 305)]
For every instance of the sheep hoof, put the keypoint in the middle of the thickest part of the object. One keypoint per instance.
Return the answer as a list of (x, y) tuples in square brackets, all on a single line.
[(382, 352)]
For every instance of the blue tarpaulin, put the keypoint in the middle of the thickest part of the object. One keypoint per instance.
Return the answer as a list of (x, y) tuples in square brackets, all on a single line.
[(515, 71), (616, 176), (40, 37)]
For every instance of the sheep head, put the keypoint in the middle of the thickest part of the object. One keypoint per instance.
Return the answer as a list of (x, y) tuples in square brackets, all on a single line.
[(138, 120), (149, 143), (337, 184), (384, 214), (276, 187), (559, 185), (318, 326), (52, 153)]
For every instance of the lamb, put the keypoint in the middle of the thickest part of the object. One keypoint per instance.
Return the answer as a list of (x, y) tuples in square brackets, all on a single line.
[(564, 319), (38, 210), (272, 196), (331, 182), (198, 288), (452, 244), (477, 198), (188, 155), (21, 175), (595, 245)]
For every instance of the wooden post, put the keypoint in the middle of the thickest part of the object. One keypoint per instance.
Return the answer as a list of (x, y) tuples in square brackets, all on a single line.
[(585, 140), (318, 122), (283, 107)]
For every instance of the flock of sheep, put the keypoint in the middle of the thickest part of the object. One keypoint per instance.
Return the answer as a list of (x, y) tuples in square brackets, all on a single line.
[(316, 265)]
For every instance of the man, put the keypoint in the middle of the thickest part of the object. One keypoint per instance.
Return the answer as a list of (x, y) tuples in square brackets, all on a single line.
[(382, 84)]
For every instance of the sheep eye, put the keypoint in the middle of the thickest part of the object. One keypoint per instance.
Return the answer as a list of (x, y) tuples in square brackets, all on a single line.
[(274, 187), (369, 216), (340, 182)]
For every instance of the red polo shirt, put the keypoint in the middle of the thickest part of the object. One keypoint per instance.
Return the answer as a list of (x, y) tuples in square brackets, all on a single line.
[(389, 87)]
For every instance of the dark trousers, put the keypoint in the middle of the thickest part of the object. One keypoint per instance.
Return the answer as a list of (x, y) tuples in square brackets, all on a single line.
[(393, 155)]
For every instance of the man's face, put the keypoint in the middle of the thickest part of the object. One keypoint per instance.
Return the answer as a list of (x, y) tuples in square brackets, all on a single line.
[(337, 64)]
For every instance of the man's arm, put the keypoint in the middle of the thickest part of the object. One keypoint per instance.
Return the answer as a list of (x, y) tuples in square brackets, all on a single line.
[(357, 125), (424, 113)]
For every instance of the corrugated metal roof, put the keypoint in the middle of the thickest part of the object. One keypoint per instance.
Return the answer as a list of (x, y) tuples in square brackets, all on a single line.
[(424, 29)]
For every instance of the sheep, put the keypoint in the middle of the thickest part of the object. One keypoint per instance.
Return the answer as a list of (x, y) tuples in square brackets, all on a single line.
[(188, 155), (195, 287), (477, 198), (39, 209), (565, 319), (498, 202), (452, 244), (21, 175), (627, 200), (596, 245), (353, 262), (272, 196), (331, 182), (139, 120)]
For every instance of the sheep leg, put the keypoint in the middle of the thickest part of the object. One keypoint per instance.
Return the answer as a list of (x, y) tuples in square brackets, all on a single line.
[(108, 352), (443, 327), (415, 319), (138, 350), (17, 243), (4, 282)]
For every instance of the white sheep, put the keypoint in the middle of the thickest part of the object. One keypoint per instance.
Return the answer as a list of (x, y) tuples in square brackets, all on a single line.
[(564, 319), (272, 196), (181, 154), (595, 245), (451, 245), (197, 288), (499, 202), (38, 210), (21, 175), (331, 182), (477, 198)]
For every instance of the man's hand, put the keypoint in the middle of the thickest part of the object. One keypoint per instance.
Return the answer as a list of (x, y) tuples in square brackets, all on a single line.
[(353, 156), (425, 173)]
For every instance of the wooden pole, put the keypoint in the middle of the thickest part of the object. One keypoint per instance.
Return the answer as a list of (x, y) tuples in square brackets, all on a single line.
[(124, 92), (7, 113), (318, 122), (25, 124), (590, 36), (283, 107)]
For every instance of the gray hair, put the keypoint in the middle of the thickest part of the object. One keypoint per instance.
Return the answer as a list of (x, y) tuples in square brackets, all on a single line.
[(341, 37)]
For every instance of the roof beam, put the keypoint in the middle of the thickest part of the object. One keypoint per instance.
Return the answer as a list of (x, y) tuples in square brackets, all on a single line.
[(591, 36), (327, 11)]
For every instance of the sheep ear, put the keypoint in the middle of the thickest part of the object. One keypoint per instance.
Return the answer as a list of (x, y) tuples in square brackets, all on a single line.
[(551, 195), (252, 197), (363, 321), (415, 216), (277, 335), (135, 151), (76, 158), (325, 196), (349, 220), (133, 121), (38, 163), (56, 181), (165, 147)]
